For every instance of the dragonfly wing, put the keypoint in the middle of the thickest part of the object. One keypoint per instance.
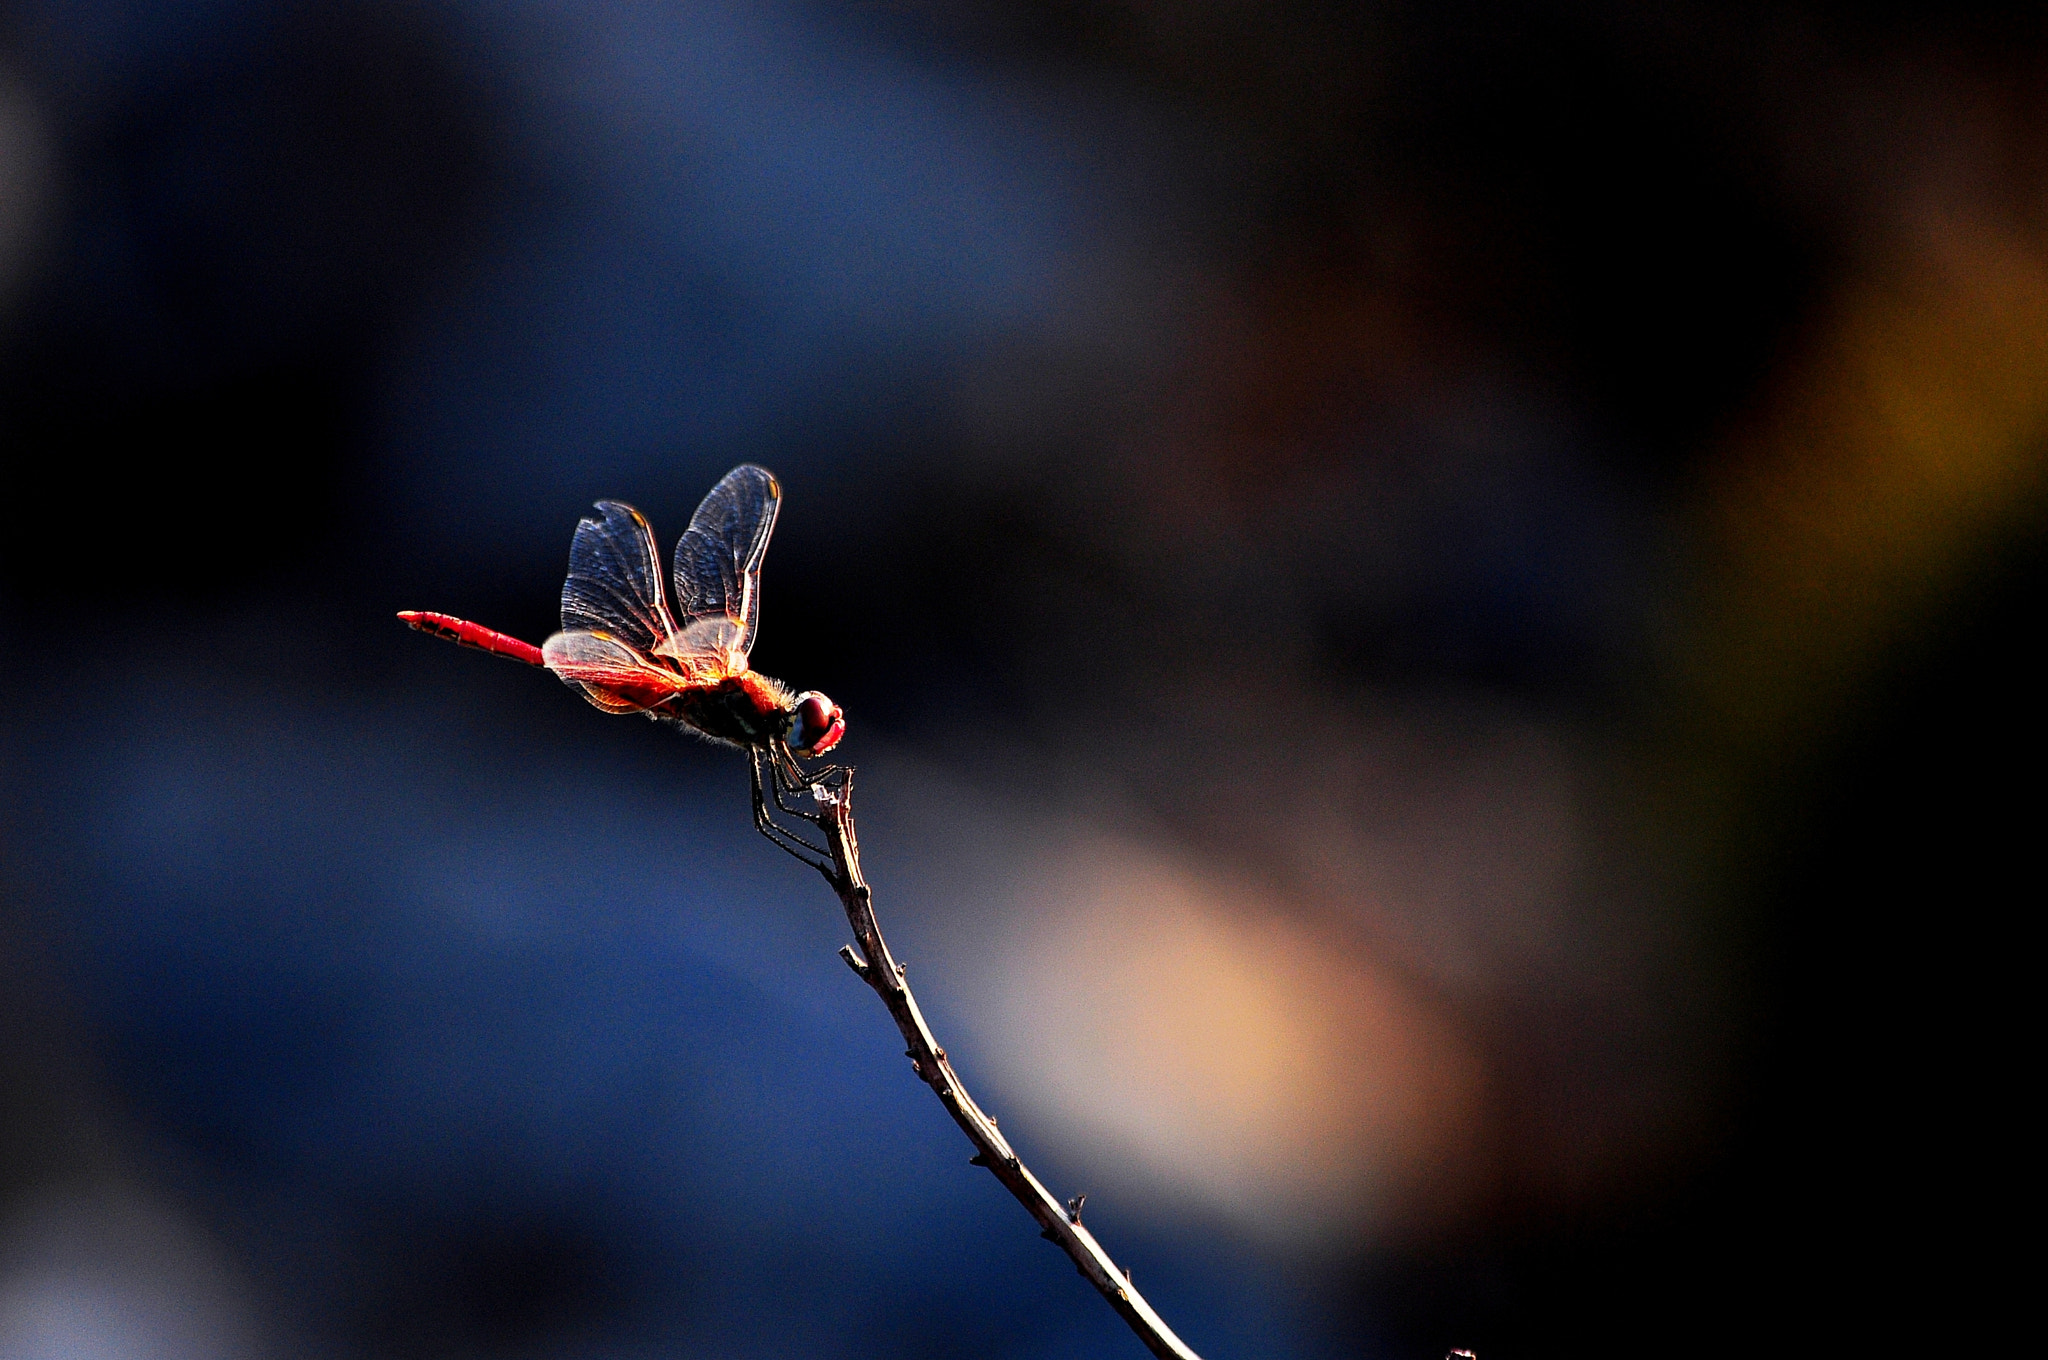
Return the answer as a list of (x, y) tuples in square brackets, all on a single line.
[(616, 677), (614, 584), (718, 561)]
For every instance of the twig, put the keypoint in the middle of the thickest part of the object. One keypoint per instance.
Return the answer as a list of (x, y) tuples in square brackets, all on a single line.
[(879, 969)]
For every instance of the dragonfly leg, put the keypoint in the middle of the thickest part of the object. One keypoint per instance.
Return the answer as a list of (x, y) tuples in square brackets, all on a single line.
[(793, 780), (783, 782), (764, 816), (783, 790), (779, 836)]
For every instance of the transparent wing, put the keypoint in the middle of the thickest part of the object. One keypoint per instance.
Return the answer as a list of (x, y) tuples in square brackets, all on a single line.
[(614, 676), (614, 584), (718, 562)]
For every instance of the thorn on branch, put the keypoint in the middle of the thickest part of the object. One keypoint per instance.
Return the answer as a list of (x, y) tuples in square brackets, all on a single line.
[(1074, 1207), (978, 1159), (860, 970)]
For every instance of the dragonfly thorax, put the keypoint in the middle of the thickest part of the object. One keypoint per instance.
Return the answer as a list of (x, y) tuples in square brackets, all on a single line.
[(748, 709)]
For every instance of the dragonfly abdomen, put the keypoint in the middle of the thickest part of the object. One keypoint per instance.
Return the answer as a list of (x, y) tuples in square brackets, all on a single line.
[(466, 634)]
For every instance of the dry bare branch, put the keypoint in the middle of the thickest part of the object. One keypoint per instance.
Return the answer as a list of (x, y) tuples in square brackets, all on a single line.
[(1058, 1223)]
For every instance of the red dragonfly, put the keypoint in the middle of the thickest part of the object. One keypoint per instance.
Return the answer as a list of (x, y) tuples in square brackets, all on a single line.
[(623, 648)]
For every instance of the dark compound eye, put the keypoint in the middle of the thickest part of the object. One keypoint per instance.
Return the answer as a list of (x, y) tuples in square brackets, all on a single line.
[(819, 724)]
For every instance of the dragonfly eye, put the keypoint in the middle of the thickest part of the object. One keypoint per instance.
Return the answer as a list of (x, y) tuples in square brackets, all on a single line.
[(818, 725)]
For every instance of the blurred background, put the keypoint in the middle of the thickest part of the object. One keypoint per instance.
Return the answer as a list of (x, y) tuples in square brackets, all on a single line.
[(1430, 599)]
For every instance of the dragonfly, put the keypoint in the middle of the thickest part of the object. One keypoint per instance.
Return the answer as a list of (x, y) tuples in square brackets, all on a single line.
[(626, 651)]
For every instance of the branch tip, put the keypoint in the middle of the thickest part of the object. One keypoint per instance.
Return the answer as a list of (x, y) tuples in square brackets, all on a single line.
[(860, 970)]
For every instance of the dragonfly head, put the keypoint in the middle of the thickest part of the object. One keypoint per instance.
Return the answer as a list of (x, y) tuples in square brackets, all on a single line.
[(816, 725)]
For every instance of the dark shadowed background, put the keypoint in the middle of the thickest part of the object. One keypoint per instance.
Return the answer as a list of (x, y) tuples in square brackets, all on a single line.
[(1431, 600)]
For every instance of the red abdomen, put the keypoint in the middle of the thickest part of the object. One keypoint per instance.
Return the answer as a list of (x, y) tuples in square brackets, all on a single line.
[(467, 634)]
